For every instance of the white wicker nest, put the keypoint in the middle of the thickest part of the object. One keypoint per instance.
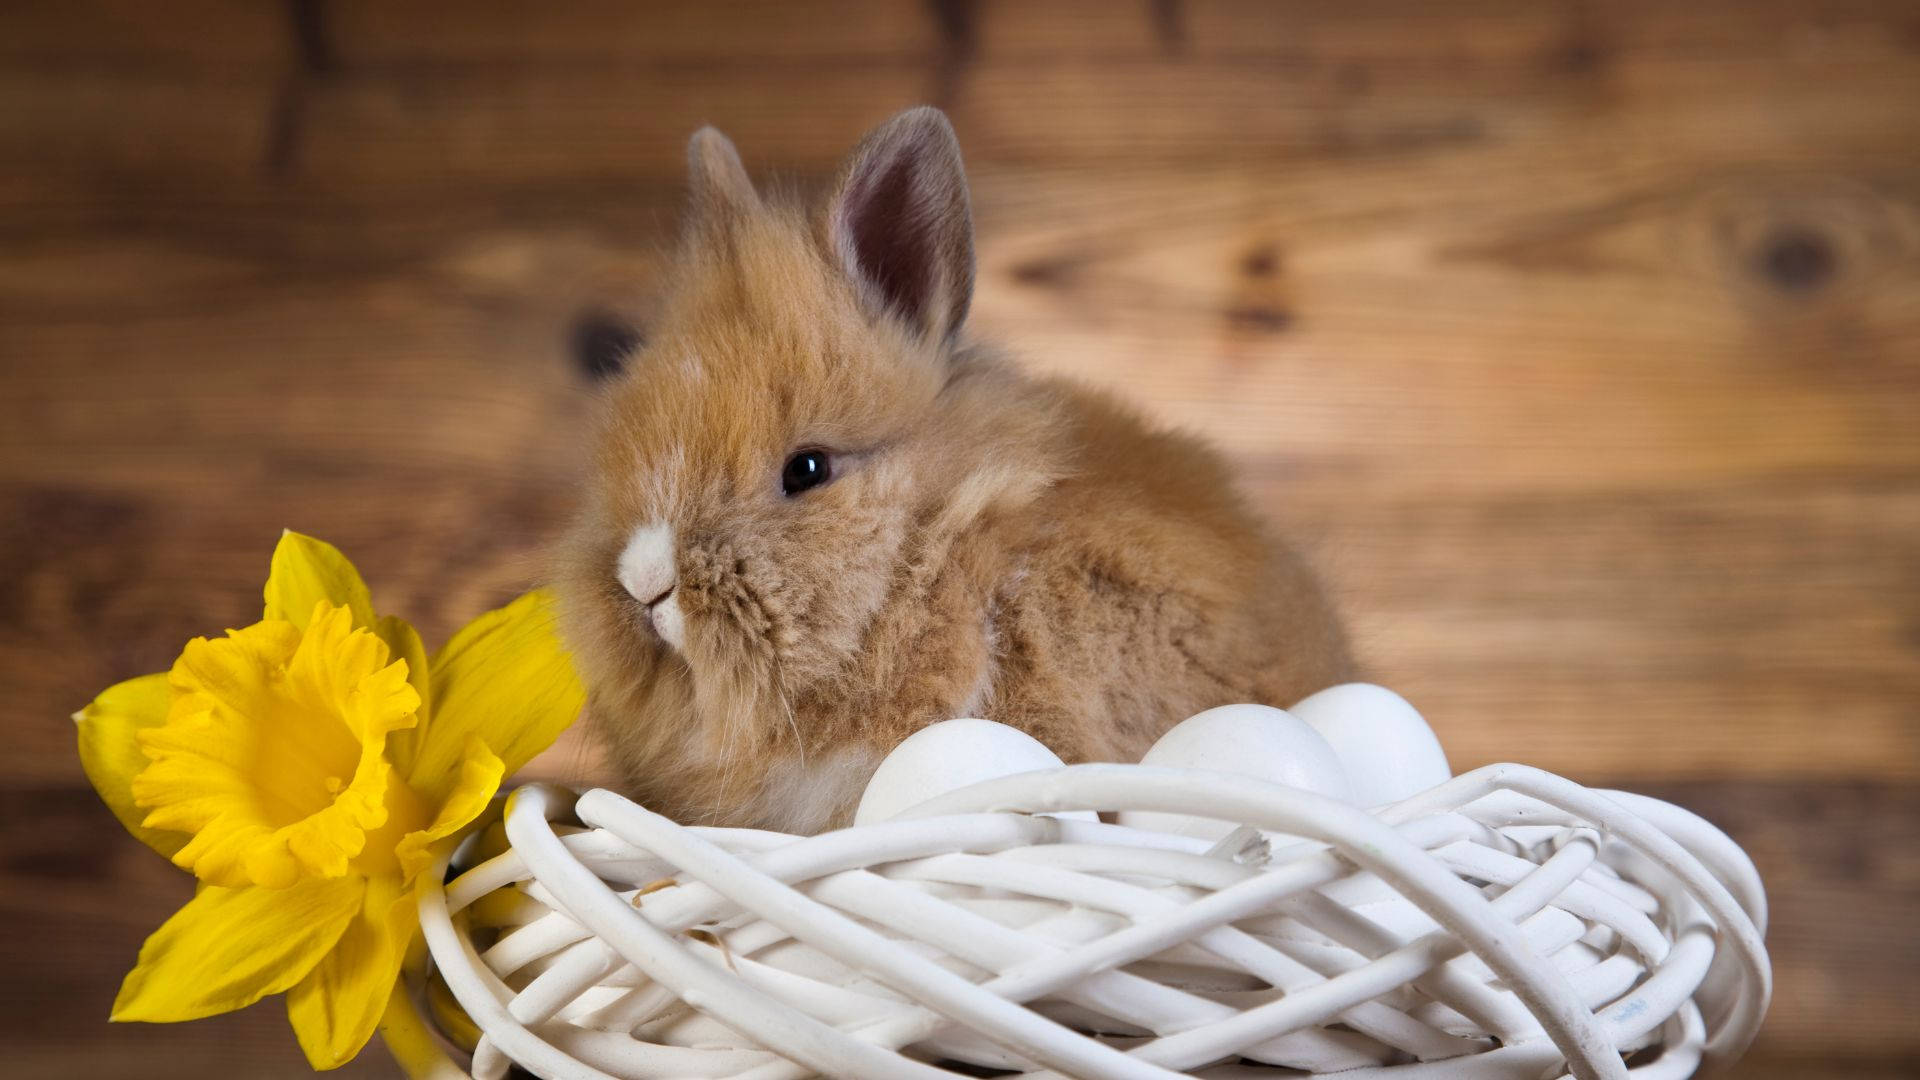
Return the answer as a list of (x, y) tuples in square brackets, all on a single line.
[(1506, 923)]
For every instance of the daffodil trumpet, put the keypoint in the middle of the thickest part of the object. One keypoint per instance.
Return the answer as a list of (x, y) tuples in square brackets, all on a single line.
[(307, 769)]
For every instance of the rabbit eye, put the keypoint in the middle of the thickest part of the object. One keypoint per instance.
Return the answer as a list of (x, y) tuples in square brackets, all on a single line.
[(806, 469)]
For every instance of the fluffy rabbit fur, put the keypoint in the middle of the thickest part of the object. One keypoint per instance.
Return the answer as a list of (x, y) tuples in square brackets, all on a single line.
[(988, 543)]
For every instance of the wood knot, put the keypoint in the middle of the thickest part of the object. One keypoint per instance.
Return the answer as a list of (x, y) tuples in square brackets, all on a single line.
[(1046, 271), (1579, 55), (601, 342), (1259, 318), (1796, 260), (1808, 240), (1258, 305), (1261, 262)]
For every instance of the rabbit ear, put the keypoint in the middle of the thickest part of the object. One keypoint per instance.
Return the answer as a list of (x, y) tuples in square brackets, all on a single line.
[(719, 182), (900, 223)]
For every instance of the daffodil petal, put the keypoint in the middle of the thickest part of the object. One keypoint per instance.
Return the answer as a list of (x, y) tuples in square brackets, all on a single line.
[(504, 677), (335, 1009), (479, 778), (271, 755), (405, 643), (306, 571), (110, 752), (345, 668), (228, 948)]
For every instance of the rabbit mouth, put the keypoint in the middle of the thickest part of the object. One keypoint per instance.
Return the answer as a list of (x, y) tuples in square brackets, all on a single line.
[(662, 616), (658, 621), (645, 571)]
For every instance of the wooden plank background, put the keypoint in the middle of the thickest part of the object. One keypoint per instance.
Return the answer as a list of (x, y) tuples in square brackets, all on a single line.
[(1580, 341)]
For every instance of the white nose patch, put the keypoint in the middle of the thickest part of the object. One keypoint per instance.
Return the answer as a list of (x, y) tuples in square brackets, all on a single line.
[(645, 568)]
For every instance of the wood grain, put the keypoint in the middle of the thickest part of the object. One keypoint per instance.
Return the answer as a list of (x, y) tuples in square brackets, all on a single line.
[(1579, 344)]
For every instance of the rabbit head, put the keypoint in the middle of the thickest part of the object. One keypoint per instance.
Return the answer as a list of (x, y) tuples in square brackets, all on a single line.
[(802, 436)]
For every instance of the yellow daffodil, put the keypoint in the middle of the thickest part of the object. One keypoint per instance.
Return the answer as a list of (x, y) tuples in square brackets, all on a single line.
[(304, 768)]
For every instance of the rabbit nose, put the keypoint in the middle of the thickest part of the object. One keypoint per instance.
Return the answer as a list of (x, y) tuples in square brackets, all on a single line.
[(645, 567)]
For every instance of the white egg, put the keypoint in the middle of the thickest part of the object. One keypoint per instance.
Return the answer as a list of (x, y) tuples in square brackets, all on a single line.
[(1248, 740), (948, 756), (1389, 751)]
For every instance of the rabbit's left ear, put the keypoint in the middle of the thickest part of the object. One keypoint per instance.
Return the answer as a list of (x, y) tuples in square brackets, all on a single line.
[(900, 224), (717, 182)]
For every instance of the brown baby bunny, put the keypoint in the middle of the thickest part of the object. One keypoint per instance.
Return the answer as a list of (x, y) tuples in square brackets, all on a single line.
[(821, 519)]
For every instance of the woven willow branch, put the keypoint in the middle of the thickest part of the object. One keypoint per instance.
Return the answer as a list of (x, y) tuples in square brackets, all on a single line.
[(1507, 923)]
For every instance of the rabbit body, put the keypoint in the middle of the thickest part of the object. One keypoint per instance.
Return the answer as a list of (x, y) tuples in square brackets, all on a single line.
[(819, 520)]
